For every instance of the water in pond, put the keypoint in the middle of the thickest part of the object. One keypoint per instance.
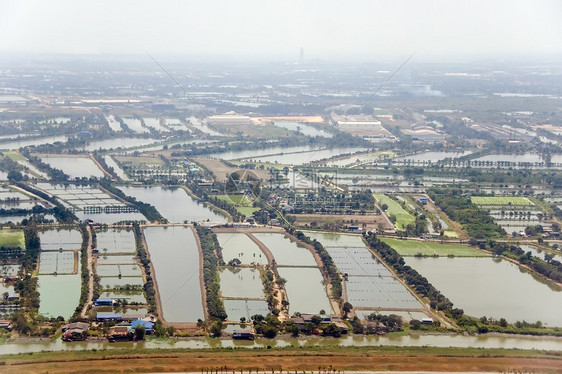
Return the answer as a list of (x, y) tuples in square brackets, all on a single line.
[(135, 125), (130, 296), (236, 309), (527, 157), (17, 144), (202, 127), (110, 217), (74, 167), (240, 246), (116, 143), (252, 153), (118, 171), (102, 259), (116, 241), (60, 294), (539, 252), (493, 288), (55, 239), (303, 129), (330, 239), (305, 290), (414, 340), (174, 204), (306, 157), (155, 124), (108, 283), (241, 282), (432, 156), (127, 270), (175, 257), (113, 123), (285, 251)]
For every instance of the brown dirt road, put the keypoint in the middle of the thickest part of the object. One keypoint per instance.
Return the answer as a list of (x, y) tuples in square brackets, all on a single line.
[(302, 360)]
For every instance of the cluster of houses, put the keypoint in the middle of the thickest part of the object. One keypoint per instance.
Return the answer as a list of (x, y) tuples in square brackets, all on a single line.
[(301, 321), (124, 328)]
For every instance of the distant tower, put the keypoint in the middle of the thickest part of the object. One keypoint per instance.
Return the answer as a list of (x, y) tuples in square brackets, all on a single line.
[(301, 58)]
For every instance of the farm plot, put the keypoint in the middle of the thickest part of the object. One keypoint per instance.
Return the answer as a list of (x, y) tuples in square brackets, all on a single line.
[(502, 200), (415, 247), (115, 282), (236, 309), (59, 294), (357, 261), (329, 239), (240, 246), (241, 283), (81, 197), (135, 125), (405, 315), (9, 270), (12, 239), (116, 260), (126, 270), (116, 241), (75, 167), (305, 290), (129, 296), (403, 218), (57, 239), (57, 262), (286, 251), (379, 292)]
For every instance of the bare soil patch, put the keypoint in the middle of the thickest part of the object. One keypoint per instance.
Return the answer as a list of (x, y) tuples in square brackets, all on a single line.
[(371, 221), (303, 360)]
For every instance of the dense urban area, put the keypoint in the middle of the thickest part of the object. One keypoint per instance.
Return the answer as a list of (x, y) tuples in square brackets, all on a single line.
[(211, 205)]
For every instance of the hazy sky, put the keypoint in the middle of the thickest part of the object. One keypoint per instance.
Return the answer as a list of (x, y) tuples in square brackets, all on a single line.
[(324, 29)]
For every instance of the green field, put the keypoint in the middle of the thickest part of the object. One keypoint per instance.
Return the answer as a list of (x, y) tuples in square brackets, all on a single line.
[(413, 247), (403, 218), (12, 238), (501, 200), (242, 203), (246, 210), (238, 200)]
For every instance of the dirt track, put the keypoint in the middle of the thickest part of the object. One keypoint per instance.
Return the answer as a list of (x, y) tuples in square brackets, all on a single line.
[(303, 360)]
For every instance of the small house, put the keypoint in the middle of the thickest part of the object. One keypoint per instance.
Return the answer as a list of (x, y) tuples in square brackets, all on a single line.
[(148, 325), (423, 200), (243, 335), (120, 333), (6, 324), (104, 302), (75, 331)]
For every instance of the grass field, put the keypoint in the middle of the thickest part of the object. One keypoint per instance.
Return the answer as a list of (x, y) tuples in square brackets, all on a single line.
[(413, 247), (403, 218), (501, 200), (309, 359), (15, 155), (242, 203), (12, 238), (238, 200), (247, 211)]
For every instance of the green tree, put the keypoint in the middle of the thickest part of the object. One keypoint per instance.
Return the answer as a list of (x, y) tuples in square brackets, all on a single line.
[(140, 332), (216, 328)]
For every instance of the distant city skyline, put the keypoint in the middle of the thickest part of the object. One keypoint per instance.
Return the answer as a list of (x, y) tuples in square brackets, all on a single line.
[(265, 30)]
